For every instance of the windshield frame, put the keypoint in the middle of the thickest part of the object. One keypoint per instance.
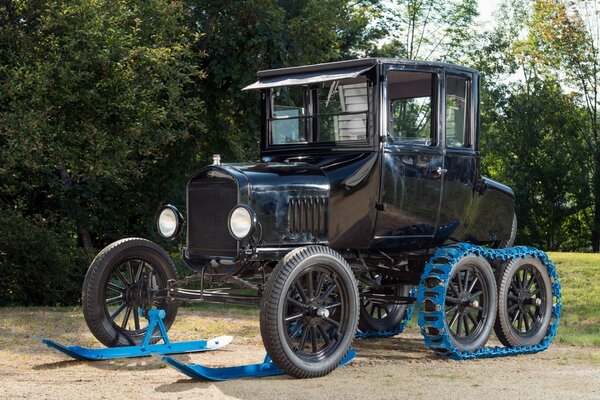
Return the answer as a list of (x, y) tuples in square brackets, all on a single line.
[(313, 117)]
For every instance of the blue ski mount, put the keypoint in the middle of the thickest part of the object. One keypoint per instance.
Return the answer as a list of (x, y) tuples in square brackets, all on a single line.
[(266, 368), (155, 318)]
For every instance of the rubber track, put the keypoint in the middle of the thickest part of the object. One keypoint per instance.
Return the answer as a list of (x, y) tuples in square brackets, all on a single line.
[(432, 293)]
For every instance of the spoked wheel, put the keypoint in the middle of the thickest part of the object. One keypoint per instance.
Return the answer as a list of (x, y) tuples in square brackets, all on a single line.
[(379, 316), (120, 281), (524, 302), (309, 312), (470, 304)]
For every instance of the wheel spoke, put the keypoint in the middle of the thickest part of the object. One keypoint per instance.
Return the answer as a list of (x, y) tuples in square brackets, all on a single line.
[(320, 281), (121, 277), (296, 328), (453, 308), (114, 300), (310, 283), (473, 320), (140, 272), (324, 335), (515, 317), (313, 339), (303, 339), (126, 318), (460, 287), (116, 288), (459, 327), (131, 273), (331, 322), (513, 308), (466, 323), (454, 289), (136, 320), (532, 315), (452, 300), (473, 284), (118, 311), (466, 284), (476, 294), (301, 292), (334, 305), (296, 303), (329, 290), (454, 318), (514, 287), (379, 312), (526, 321), (293, 317)]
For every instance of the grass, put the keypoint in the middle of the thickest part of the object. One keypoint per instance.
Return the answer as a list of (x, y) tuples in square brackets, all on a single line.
[(580, 280)]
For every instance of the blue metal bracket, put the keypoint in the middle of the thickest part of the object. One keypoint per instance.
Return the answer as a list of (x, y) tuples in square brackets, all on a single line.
[(266, 368), (155, 318)]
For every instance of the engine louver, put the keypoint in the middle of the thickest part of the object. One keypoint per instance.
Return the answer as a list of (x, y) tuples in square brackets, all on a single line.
[(307, 215)]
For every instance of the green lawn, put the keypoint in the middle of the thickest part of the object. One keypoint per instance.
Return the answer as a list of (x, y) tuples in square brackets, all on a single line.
[(580, 280)]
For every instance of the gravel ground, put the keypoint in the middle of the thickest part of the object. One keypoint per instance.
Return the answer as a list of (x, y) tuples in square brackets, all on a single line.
[(393, 368)]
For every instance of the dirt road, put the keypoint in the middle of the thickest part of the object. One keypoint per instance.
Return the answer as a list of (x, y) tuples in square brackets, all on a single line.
[(394, 368)]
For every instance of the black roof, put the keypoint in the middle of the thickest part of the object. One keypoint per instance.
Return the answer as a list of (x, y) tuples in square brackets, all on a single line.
[(361, 62)]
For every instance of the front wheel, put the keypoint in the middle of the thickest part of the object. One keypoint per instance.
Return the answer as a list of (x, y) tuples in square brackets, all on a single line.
[(309, 312), (120, 281)]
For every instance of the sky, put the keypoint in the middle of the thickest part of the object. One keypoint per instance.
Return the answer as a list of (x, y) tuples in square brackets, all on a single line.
[(486, 8)]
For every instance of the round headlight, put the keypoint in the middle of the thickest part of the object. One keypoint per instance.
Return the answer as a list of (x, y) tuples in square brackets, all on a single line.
[(241, 222), (168, 222)]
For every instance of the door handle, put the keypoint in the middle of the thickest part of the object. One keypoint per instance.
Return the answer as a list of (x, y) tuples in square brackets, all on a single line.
[(441, 170)]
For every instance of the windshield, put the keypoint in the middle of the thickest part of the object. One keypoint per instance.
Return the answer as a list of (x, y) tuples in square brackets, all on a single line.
[(335, 111)]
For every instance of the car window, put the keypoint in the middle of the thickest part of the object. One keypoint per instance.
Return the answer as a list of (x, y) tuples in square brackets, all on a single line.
[(335, 111), (411, 107), (411, 120), (457, 98)]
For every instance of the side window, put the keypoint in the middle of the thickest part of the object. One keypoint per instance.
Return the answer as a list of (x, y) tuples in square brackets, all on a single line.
[(457, 111), (411, 108)]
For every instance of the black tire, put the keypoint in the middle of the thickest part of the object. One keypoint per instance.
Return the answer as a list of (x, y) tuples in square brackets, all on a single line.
[(382, 317), (524, 302), (505, 244), (114, 284), (327, 283), (470, 303)]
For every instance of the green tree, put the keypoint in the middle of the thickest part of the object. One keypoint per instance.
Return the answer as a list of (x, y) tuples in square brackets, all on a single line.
[(99, 123), (427, 29), (243, 37), (565, 35)]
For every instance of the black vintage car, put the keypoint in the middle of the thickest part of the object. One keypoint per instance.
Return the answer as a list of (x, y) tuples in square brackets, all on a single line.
[(367, 166)]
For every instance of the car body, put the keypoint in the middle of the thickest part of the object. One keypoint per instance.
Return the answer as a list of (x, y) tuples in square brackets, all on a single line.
[(370, 194)]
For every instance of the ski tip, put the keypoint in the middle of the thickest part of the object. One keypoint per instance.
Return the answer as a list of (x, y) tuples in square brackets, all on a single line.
[(219, 342)]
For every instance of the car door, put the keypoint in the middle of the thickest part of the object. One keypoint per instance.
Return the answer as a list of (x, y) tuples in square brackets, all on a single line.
[(413, 159), (461, 156)]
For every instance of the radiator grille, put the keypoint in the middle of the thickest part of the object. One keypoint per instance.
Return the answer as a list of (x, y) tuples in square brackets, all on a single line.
[(307, 215), (209, 202)]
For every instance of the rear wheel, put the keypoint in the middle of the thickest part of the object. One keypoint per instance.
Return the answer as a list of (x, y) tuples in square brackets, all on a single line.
[(470, 303), (380, 316), (309, 312), (119, 282), (524, 302)]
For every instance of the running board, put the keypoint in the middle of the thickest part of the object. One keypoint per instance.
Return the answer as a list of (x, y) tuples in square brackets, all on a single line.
[(145, 349), (266, 368)]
